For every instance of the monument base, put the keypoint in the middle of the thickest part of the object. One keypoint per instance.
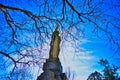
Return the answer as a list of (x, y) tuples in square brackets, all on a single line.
[(52, 70)]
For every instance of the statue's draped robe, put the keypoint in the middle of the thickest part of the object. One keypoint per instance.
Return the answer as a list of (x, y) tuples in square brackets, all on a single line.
[(55, 45)]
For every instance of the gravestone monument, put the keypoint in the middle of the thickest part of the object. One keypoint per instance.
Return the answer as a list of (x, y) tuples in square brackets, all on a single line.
[(52, 68)]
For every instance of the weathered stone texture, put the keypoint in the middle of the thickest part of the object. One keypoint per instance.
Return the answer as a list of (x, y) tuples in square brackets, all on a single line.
[(52, 71)]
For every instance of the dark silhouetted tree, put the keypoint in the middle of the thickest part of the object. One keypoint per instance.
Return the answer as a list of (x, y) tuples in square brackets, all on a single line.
[(95, 76), (109, 72)]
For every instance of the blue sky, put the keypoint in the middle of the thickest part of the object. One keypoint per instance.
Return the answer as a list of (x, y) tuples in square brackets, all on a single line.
[(85, 61), (81, 61)]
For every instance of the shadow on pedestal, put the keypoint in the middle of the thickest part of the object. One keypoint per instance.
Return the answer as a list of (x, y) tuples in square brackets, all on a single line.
[(52, 70)]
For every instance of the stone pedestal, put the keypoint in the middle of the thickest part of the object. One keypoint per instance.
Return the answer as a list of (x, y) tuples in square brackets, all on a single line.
[(52, 70)]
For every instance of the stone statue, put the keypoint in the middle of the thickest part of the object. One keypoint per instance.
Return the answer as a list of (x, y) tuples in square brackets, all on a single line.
[(52, 68), (55, 45)]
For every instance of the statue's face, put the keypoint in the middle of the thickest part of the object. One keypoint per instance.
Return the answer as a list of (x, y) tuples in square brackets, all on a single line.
[(57, 32)]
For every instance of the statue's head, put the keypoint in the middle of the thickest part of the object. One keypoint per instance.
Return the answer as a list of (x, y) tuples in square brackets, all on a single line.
[(56, 32), (56, 29)]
